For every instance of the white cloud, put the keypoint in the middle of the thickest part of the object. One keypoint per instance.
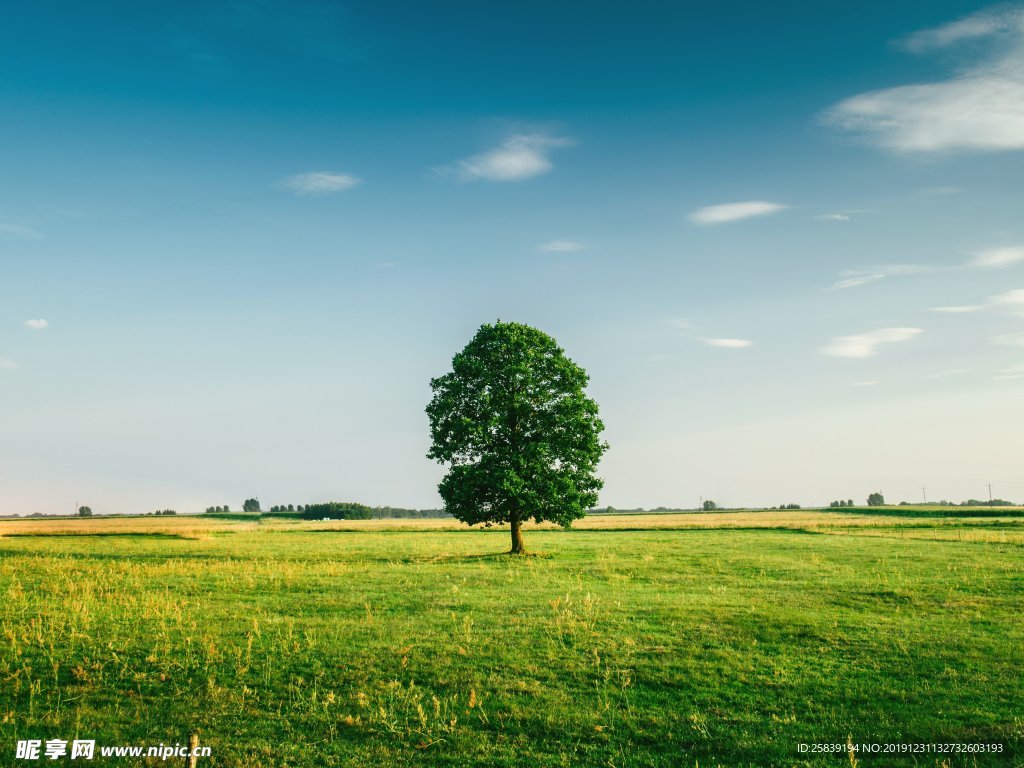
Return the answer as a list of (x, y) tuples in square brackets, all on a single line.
[(17, 230), (678, 323), (728, 343), (1009, 302), (560, 246), (984, 23), (519, 157), (835, 217), (998, 257), (726, 212), (980, 108), (988, 259), (36, 325), (856, 278), (319, 183), (863, 344), (851, 278), (1013, 372), (1010, 298), (959, 310), (1010, 339), (5, 363)]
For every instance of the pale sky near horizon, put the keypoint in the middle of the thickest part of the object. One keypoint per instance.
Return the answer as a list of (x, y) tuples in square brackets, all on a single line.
[(237, 240)]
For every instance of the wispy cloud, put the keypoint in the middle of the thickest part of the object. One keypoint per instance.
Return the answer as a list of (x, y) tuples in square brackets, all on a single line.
[(520, 157), (979, 108), (36, 325), (1012, 301), (991, 258), (864, 344), (985, 23), (835, 217), (318, 183), (851, 278), (946, 374), (678, 323), (1008, 303), (1013, 372), (872, 383), (728, 212), (998, 257), (728, 343), (559, 246), (1010, 339), (17, 230), (5, 363)]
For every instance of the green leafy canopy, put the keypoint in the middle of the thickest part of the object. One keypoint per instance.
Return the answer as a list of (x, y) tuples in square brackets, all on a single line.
[(521, 435)]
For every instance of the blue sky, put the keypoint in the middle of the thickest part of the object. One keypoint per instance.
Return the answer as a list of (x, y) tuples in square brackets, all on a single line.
[(237, 239)]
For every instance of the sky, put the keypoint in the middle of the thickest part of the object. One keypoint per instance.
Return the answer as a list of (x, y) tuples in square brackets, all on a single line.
[(237, 239)]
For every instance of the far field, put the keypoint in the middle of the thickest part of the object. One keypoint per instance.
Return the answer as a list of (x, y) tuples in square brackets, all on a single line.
[(635, 640)]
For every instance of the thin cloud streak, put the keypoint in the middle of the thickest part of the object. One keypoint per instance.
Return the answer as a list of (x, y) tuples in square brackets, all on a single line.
[(729, 212), (319, 183), (36, 325), (998, 257), (862, 345), (560, 246), (992, 258), (17, 230), (1009, 339), (1009, 302), (729, 343)]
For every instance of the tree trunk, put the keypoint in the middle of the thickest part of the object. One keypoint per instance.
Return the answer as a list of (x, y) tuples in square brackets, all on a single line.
[(517, 537)]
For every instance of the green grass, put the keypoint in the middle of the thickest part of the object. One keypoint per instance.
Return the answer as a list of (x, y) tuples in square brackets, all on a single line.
[(293, 647)]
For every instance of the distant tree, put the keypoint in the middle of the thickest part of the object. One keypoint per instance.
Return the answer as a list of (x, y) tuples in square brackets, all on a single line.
[(520, 435), (85, 511), (338, 510), (709, 505), (299, 508), (291, 508), (849, 502), (876, 499), (251, 505)]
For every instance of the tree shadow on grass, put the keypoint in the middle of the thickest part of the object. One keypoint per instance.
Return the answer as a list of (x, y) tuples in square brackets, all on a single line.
[(483, 557)]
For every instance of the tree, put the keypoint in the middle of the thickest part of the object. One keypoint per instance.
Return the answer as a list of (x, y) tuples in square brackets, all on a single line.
[(876, 499), (251, 505), (709, 505), (520, 434), (85, 511), (849, 502)]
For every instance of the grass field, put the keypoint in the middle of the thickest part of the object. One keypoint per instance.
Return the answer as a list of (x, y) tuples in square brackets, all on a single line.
[(641, 640)]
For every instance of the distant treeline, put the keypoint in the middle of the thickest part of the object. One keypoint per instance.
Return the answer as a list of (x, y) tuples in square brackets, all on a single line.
[(968, 503), (350, 510), (333, 510)]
